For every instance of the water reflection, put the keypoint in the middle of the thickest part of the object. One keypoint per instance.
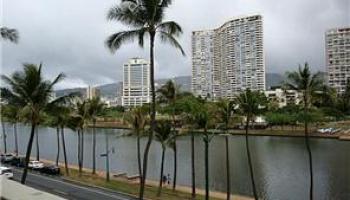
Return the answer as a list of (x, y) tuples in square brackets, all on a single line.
[(280, 163)]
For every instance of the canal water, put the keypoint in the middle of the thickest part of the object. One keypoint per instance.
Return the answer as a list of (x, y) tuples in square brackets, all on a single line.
[(280, 163)]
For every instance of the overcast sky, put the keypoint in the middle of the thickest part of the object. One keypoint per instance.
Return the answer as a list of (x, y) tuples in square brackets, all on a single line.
[(68, 35)]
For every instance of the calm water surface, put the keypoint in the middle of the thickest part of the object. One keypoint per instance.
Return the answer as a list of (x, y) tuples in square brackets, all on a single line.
[(280, 163)]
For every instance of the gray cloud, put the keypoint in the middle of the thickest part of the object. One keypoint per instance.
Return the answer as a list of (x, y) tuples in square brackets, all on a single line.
[(68, 36)]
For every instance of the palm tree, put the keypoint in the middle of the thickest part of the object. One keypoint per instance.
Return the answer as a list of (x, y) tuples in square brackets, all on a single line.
[(28, 89), (95, 107), (4, 136), (308, 85), (9, 34), (146, 18), (225, 108), (137, 120), (163, 136), (168, 94), (250, 103), (187, 105), (202, 116), (12, 113), (78, 123), (59, 116)]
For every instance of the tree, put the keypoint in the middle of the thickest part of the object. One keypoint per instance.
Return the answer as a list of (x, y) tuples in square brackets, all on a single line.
[(202, 116), (28, 88), (59, 116), (146, 18), (250, 104), (9, 34), (163, 135), (343, 103), (78, 122), (137, 120), (224, 111), (308, 85), (168, 94), (12, 113), (95, 107), (186, 105)]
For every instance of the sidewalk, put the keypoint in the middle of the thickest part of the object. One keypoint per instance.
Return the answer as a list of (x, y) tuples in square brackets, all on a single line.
[(12, 190)]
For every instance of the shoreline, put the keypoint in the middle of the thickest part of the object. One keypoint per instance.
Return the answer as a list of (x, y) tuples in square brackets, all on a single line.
[(152, 183), (341, 135)]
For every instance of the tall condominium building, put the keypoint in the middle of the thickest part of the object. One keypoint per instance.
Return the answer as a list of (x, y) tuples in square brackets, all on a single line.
[(338, 58), (136, 83), (92, 92), (229, 59)]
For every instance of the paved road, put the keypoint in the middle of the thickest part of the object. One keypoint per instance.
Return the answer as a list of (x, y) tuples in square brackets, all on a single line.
[(57, 186)]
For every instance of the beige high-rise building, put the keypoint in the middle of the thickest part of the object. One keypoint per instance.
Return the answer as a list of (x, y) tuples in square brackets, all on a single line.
[(92, 92), (338, 57), (229, 59)]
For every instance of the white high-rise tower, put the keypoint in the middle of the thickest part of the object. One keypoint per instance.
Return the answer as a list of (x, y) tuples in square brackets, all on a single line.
[(136, 83)]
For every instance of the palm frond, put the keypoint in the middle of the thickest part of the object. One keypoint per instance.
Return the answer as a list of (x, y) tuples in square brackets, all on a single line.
[(170, 27), (126, 14), (166, 37), (9, 34), (115, 40)]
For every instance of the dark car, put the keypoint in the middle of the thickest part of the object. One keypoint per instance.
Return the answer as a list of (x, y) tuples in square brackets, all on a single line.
[(51, 170), (6, 158), (18, 161)]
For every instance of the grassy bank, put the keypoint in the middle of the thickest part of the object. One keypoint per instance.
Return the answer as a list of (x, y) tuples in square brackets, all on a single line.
[(127, 187)]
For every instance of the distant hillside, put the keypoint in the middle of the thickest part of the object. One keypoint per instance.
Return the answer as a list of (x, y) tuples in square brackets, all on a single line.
[(183, 81), (113, 89), (273, 79), (81, 91)]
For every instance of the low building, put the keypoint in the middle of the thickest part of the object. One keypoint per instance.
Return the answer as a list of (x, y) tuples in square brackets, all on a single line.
[(283, 97)]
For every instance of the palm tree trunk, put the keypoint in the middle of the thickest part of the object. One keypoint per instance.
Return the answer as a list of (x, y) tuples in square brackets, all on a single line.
[(79, 152), (228, 174), (94, 147), (64, 150), (175, 164), (58, 145), (250, 160), (206, 159), (139, 154), (307, 144), (161, 173), (37, 143), (175, 148), (4, 135), (29, 150), (16, 137), (107, 159), (193, 167), (82, 149), (153, 116)]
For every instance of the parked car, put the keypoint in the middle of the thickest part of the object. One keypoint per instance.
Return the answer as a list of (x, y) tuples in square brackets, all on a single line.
[(36, 165), (6, 172), (51, 170), (6, 158), (18, 161)]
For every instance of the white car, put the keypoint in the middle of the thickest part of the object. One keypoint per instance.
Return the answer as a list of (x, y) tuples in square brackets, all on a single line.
[(34, 164), (6, 172)]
